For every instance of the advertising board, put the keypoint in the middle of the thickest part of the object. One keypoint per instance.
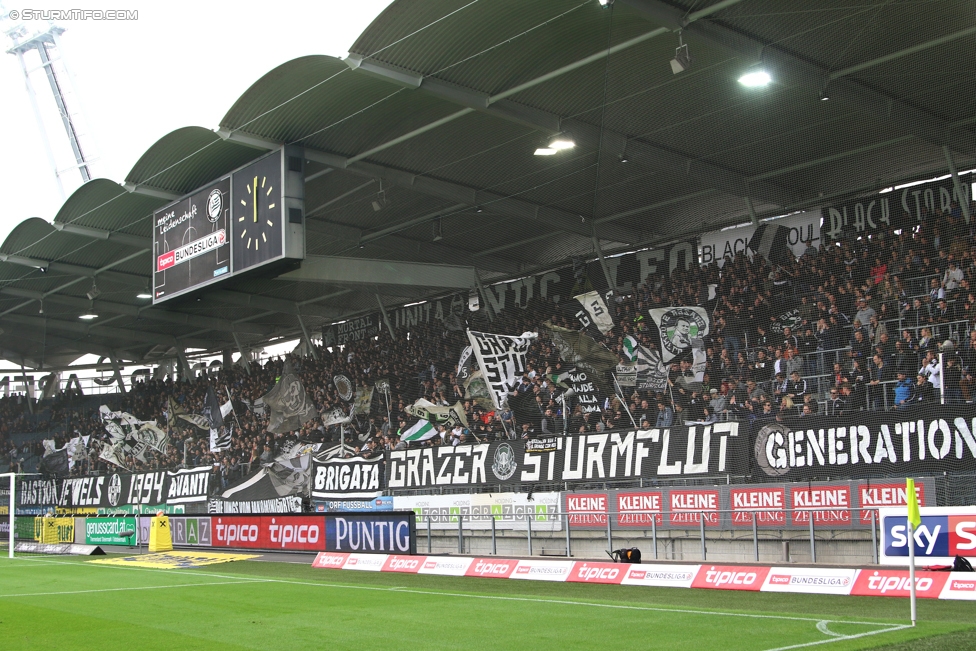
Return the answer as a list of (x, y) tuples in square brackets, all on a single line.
[(296, 533), (110, 531), (944, 533), (370, 532)]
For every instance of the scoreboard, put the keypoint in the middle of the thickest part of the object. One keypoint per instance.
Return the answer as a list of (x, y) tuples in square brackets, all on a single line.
[(244, 220)]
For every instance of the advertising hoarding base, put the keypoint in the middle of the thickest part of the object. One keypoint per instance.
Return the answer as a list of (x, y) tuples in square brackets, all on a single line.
[(880, 582)]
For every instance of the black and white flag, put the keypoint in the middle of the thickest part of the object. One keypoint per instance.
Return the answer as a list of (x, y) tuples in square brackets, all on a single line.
[(289, 404), (343, 385), (501, 359), (652, 374), (681, 329), (212, 410), (220, 439), (594, 312), (153, 436), (773, 243), (585, 353), (438, 414), (335, 417)]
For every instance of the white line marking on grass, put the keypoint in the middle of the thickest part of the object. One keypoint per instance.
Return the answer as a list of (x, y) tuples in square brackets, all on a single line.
[(147, 587), (822, 627), (891, 626), (841, 638)]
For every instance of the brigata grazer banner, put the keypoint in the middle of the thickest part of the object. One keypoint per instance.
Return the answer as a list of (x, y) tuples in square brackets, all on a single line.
[(916, 442), (185, 486), (693, 451), (355, 478)]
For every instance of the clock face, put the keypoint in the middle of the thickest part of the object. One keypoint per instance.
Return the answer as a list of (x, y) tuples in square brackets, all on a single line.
[(256, 213)]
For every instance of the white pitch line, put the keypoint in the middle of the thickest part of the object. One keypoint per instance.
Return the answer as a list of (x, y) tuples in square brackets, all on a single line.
[(842, 638), (146, 587), (892, 626)]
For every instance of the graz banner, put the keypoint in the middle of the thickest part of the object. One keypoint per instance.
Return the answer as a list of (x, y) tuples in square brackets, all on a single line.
[(842, 504), (477, 510), (108, 491), (693, 451), (719, 245), (902, 208), (933, 441), (355, 478)]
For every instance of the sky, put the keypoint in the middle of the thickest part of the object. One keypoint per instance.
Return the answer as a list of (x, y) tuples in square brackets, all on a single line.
[(177, 64)]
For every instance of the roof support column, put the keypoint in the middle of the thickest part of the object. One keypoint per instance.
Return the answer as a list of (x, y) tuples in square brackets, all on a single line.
[(184, 364), (484, 296), (962, 196), (611, 282), (306, 338), (117, 372), (386, 319), (752, 213), (244, 359), (28, 386)]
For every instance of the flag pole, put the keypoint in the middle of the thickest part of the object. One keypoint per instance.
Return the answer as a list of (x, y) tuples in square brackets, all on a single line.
[(911, 568), (914, 519), (623, 401)]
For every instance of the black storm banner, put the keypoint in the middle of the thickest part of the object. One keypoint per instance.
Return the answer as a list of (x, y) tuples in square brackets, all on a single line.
[(185, 486), (680, 452), (355, 478), (865, 444), (902, 208)]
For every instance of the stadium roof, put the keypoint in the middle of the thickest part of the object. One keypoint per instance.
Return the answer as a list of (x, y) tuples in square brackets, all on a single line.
[(441, 104)]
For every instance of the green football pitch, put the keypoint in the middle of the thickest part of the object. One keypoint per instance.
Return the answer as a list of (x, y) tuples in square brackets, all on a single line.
[(70, 603)]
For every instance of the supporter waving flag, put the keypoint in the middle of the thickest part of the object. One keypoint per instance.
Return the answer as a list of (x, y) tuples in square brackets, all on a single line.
[(501, 359), (419, 431), (290, 406)]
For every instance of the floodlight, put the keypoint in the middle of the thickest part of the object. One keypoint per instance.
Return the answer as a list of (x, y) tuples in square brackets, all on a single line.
[(755, 78), (681, 60), (545, 151), (562, 141)]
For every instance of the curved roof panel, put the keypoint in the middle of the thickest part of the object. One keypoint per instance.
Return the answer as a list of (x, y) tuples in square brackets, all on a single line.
[(185, 159)]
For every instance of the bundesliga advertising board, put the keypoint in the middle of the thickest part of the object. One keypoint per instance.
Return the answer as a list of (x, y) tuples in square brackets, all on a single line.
[(191, 241)]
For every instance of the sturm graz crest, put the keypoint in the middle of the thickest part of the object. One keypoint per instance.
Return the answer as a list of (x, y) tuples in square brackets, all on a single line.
[(503, 464), (114, 490), (679, 328), (770, 449)]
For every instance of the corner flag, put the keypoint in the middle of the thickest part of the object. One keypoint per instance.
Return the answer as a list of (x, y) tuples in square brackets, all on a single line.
[(913, 515)]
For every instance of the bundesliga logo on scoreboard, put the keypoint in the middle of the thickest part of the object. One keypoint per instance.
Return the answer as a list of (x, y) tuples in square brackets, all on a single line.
[(191, 250)]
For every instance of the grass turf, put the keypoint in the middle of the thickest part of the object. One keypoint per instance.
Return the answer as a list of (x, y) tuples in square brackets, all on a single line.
[(68, 603)]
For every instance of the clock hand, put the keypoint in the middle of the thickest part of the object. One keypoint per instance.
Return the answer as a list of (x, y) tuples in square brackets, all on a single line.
[(255, 199)]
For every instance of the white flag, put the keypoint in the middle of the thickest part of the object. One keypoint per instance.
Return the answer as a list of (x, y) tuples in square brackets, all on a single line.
[(593, 303), (501, 359)]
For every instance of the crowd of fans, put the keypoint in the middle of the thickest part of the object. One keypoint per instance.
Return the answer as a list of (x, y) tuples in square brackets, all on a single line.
[(850, 325)]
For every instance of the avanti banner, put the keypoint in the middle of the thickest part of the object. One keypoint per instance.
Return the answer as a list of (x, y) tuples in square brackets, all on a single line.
[(185, 486)]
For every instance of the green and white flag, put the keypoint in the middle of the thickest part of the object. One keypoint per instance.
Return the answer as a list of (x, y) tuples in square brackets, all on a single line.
[(420, 431), (630, 348)]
